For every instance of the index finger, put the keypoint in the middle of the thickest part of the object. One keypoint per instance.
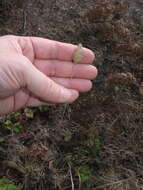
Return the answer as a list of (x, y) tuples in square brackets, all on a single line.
[(49, 49)]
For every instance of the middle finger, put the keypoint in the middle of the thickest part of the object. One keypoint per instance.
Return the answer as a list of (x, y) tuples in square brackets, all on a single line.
[(54, 68)]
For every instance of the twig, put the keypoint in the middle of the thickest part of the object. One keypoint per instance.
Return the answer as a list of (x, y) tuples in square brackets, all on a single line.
[(71, 176), (24, 20), (79, 181)]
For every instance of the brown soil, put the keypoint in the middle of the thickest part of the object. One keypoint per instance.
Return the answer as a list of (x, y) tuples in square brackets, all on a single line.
[(102, 132)]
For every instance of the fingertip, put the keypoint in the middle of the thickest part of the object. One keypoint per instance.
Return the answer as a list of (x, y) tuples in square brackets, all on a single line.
[(93, 72), (84, 85), (92, 55), (74, 95), (89, 56), (66, 95), (89, 86)]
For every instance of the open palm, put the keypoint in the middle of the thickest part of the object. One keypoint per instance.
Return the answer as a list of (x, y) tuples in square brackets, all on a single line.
[(35, 71)]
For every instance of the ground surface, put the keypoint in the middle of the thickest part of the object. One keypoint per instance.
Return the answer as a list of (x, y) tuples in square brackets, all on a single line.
[(97, 142)]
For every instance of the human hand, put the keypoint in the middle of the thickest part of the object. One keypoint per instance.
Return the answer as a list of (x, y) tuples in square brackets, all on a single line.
[(36, 71)]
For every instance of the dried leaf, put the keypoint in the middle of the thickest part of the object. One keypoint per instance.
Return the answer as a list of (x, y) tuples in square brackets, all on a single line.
[(29, 113), (52, 168), (78, 54)]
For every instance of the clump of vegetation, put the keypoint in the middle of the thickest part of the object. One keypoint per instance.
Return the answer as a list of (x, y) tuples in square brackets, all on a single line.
[(6, 184), (84, 173), (12, 127), (106, 11)]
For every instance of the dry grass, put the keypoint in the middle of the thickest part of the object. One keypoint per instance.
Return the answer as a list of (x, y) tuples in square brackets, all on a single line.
[(95, 143)]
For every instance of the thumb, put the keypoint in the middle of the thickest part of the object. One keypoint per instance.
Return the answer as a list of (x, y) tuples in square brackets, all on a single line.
[(45, 88)]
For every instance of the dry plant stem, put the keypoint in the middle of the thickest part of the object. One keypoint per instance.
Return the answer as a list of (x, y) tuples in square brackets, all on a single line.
[(79, 181), (71, 176), (12, 164), (114, 183)]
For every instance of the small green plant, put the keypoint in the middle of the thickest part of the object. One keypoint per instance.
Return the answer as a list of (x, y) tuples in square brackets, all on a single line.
[(13, 127), (83, 150), (30, 169), (2, 139), (43, 108), (90, 149), (96, 146), (84, 172), (6, 184)]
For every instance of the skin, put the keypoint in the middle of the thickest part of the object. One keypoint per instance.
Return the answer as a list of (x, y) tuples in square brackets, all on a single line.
[(36, 71)]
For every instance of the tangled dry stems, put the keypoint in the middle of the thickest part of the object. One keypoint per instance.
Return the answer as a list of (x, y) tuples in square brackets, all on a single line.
[(116, 118)]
